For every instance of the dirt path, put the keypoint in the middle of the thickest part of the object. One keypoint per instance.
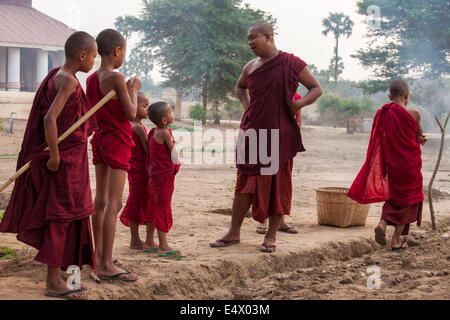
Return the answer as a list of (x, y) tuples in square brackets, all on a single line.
[(319, 263)]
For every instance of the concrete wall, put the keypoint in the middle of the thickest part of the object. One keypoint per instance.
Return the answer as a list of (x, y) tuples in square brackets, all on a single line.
[(19, 102)]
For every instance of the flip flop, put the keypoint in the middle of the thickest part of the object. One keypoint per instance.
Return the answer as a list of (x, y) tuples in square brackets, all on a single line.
[(224, 243), (268, 248), (380, 236), (66, 295), (289, 229), (118, 277), (151, 250), (172, 254), (261, 230), (401, 246)]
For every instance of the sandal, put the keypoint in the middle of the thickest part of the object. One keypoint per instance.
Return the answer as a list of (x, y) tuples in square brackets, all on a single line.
[(402, 247), (224, 243), (268, 248), (261, 229), (118, 276), (289, 229), (68, 295), (380, 236)]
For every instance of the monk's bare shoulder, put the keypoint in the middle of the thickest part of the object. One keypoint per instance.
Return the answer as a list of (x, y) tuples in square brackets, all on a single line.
[(138, 129), (252, 66), (65, 81), (414, 113)]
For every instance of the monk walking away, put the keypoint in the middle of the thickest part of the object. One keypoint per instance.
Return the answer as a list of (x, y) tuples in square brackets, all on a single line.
[(162, 165), (266, 90), (133, 214), (51, 203), (111, 147), (392, 171)]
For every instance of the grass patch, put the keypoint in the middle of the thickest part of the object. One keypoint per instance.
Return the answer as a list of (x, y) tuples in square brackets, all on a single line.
[(6, 254), (1, 124), (174, 127), (2, 213), (9, 156)]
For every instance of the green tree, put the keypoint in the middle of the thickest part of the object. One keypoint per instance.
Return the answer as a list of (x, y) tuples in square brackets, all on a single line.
[(341, 26), (198, 43), (411, 40)]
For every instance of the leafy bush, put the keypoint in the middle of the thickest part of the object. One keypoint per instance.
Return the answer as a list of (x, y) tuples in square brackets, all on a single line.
[(233, 110), (332, 107), (197, 112)]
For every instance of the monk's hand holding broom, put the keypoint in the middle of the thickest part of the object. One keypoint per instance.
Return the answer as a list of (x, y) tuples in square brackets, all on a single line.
[(53, 164)]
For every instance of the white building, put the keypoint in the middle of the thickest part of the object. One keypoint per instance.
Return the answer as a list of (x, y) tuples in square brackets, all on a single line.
[(31, 44)]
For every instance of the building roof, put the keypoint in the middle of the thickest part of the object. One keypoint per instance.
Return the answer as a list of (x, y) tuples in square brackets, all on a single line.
[(22, 26)]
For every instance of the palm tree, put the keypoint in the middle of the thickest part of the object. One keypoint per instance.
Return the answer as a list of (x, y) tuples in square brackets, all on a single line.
[(340, 25)]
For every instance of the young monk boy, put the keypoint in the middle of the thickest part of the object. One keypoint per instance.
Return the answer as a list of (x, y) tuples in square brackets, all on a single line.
[(111, 146), (51, 203), (135, 209), (162, 165), (392, 172)]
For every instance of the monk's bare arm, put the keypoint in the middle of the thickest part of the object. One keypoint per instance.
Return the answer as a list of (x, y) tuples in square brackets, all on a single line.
[(314, 90), (127, 93), (416, 115), (65, 86), (167, 138), (142, 136), (242, 89)]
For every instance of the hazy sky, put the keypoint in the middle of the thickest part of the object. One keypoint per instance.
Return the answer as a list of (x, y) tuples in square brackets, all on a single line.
[(299, 25)]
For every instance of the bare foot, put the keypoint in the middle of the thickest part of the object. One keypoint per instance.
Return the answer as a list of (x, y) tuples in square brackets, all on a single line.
[(59, 289), (268, 245), (137, 244), (115, 273)]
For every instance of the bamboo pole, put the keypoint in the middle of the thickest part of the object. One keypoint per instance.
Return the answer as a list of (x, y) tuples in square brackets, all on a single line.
[(74, 127), (430, 189)]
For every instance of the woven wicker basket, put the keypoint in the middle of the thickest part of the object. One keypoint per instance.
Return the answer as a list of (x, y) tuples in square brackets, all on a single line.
[(334, 208)]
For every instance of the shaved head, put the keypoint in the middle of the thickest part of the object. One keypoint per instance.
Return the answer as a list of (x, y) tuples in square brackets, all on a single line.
[(398, 88), (108, 40), (78, 42), (157, 111), (263, 28)]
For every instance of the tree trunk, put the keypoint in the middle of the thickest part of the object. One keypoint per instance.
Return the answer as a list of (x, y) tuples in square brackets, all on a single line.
[(178, 105), (336, 62), (216, 112), (430, 186), (205, 96)]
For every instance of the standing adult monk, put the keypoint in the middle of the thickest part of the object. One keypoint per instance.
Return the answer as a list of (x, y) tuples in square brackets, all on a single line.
[(266, 89)]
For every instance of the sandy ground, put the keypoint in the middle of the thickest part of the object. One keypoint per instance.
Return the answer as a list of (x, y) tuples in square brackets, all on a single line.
[(320, 262)]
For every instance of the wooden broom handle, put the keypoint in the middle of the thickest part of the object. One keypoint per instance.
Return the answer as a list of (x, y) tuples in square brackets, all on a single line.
[(69, 131)]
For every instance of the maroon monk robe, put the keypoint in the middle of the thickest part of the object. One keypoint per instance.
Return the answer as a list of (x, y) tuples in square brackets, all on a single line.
[(138, 199), (50, 211), (162, 171), (392, 171), (112, 142), (272, 88)]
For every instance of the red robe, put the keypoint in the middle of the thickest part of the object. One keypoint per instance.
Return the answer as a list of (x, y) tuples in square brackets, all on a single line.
[(138, 199), (50, 211), (392, 171), (272, 88), (113, 141), (162, 171)]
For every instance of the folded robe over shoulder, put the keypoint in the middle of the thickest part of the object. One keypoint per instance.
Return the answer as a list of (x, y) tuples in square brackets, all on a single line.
[(43, 204), (392, 171), (272, 88)]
